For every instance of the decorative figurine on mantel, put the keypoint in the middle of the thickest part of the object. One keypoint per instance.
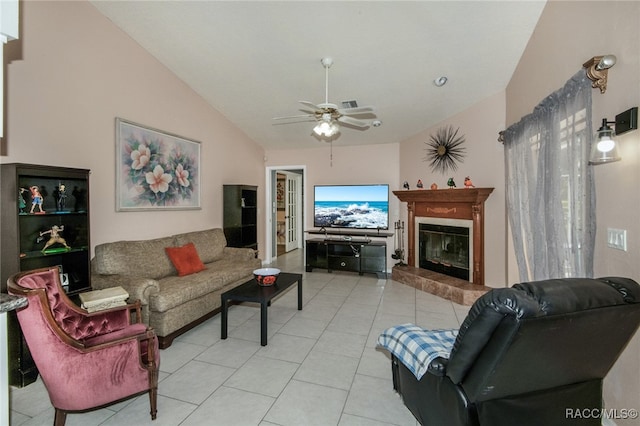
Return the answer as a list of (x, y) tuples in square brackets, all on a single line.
[(55, 237), (434, 186), (468, 183), (36, 199), (405, 185), (419, 185), (450, 183)]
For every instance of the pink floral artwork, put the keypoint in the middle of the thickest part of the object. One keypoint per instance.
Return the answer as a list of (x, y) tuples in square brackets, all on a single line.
[(156, 170)]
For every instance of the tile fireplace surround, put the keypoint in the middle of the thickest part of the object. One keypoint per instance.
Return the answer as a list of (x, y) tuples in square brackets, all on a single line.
[(467, 203), (458, 291)]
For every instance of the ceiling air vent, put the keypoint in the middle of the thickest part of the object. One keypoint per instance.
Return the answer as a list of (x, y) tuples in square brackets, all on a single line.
[(349, 104)]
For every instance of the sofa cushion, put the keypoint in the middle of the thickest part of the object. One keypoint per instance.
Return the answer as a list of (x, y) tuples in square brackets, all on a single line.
[(232, 270), (175, 291), (209, 243), (185, 259), (146, 258)]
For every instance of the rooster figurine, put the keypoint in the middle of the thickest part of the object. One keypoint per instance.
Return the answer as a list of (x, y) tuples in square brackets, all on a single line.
[(451, 183), (468, 183)]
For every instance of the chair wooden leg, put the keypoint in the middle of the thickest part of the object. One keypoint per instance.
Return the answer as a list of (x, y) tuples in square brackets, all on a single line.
[(153, 399), (60, 418)]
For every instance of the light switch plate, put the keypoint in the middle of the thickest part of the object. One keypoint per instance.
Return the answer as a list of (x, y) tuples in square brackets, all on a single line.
[(617, 239)]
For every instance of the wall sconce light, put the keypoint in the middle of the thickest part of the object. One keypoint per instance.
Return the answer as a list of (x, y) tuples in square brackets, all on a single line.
[(605, 148), (597, 70)]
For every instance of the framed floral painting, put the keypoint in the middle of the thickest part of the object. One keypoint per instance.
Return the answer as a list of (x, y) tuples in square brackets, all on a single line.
[(155, 170)]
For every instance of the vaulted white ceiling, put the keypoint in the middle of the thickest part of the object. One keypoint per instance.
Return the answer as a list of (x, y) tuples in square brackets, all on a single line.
[(254, 60)]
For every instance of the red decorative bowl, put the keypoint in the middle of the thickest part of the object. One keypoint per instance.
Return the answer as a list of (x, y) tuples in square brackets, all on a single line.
[(266, 276)]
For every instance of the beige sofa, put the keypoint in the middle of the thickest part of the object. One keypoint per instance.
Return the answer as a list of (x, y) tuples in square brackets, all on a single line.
[(172, 304)]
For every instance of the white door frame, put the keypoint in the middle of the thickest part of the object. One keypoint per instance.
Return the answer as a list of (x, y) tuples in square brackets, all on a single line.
[(270, 208), (293, 216)]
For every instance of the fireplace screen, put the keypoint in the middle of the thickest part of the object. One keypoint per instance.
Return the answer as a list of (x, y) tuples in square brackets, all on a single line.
[(444, 249)]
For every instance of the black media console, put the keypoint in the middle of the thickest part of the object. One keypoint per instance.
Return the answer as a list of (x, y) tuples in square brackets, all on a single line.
[(346, 253)]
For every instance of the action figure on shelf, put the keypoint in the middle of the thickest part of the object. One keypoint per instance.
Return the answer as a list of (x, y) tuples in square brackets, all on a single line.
[(36, 199), (468, 183), (55, 237), (451, 183), (22, 204), (61, 197)]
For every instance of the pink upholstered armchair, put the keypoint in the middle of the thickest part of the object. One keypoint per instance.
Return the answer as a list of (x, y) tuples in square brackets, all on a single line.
[(86, 360)]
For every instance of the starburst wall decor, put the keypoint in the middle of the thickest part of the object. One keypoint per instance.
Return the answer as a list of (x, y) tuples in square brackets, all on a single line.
[(445, 150)]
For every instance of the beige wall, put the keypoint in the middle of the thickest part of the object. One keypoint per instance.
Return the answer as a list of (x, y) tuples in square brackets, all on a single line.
[(483, 162), (345, 165), (567, 35), (78, 72)]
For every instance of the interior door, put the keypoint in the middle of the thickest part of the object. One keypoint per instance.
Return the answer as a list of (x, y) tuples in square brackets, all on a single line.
[(292, 211)]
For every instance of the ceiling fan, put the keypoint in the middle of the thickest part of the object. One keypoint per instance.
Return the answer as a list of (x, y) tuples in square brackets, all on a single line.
[(328, 115)]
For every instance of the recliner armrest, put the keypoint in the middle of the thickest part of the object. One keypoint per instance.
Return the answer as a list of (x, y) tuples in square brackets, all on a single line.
[(438, 367)]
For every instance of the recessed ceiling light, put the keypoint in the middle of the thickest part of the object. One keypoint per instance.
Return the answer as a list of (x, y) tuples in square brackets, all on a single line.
[(440, 81)]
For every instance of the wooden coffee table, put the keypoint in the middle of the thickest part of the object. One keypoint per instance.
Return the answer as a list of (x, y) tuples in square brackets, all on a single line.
[(252, 292)]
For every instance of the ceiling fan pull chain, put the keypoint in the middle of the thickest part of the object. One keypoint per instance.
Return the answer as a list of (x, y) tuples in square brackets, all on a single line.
[(331, 153)]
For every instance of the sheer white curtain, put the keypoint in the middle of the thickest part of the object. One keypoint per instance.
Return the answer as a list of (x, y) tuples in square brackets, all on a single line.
[(549, 185)]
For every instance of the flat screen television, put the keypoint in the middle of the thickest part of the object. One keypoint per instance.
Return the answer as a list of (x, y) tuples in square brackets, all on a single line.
[(351, 206)]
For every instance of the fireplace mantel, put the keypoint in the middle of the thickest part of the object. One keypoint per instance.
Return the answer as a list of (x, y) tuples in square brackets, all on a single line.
[(463, 203)]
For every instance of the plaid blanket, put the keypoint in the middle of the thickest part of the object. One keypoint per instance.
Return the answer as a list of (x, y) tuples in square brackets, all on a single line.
[(416, 347)]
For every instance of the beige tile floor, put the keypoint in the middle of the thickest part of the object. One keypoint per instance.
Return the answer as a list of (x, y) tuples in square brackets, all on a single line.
[(320, 367)]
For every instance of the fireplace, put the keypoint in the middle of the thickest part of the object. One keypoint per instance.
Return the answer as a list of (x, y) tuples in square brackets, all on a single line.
[(462, 207), (444, 246)]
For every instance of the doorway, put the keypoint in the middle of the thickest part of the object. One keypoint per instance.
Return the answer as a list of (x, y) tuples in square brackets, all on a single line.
[(285, 207)]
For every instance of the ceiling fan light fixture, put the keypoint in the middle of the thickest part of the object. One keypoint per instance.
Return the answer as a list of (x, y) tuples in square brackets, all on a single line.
[(328, 115), (326, 129)]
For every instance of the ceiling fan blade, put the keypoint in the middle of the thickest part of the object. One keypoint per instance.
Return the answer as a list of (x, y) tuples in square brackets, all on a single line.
[(295, 117), (352, 121), (312, 106), (356, 110)]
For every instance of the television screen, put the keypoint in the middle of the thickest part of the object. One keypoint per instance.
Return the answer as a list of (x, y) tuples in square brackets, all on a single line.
[(351, 206)]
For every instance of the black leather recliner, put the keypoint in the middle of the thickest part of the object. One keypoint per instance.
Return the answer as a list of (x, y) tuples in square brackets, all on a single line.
[(533, 354)]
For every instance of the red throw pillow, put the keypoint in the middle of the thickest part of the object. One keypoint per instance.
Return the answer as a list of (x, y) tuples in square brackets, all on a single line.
[(185, 259)]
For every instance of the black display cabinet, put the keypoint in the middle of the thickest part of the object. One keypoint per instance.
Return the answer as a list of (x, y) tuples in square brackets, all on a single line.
[(45, 222), (240, 221)]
